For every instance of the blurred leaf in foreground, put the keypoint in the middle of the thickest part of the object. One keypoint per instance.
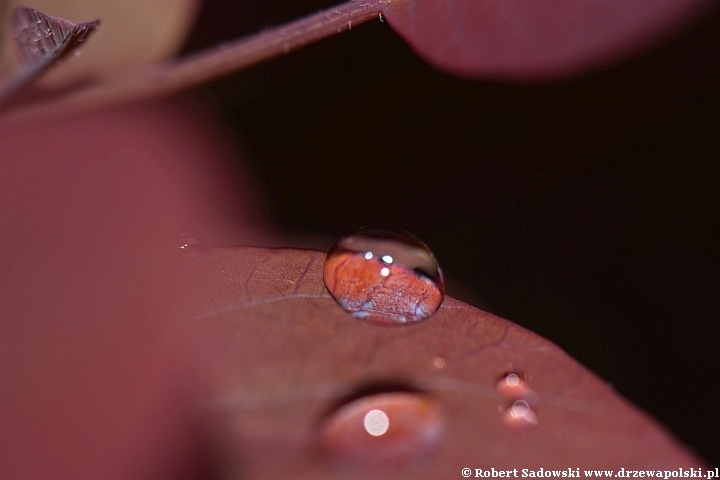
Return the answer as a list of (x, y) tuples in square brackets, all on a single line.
[(532, 40)]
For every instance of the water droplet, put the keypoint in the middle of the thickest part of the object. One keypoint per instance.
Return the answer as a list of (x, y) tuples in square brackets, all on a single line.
[(519, 416), (439, 362), (386, 278), (190, 244), (513, 386), (392, 428)]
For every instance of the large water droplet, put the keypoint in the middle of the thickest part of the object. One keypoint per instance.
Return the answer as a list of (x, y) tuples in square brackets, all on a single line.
[(387, 278), (385, 429)]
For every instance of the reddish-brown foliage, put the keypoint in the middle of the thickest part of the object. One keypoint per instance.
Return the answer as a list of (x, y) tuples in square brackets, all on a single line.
[(530, 40), (283, 354)]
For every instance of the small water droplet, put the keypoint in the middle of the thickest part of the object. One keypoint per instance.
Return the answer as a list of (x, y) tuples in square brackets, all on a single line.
[(392, 428), (513, 386), (386, 278), (190, 244), (519, 416), (439, 362)]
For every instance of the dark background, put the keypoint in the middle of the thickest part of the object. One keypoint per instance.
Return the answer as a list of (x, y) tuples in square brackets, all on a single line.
[(585, 211)]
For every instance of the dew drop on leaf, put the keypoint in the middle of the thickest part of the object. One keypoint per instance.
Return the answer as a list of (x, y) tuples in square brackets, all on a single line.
[(519, 416), (384, 277), (385, 429), (190, 244)]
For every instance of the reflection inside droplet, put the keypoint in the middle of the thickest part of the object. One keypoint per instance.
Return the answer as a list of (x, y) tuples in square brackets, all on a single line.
[(376, 422), (520, 417), (519, 408), (395, 428), (387, 278), (513, 387)]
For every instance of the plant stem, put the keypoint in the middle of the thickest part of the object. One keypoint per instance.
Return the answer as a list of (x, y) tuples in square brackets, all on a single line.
[(193, 70)]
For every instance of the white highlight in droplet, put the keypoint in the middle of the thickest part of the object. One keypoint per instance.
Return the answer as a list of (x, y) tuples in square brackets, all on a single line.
[(387, 259), (368, 255), (385, 271), (512, 380), (376, 422), (520, 408)]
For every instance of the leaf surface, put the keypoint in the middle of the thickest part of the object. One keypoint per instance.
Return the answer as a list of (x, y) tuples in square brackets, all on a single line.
[(283, 354), (39, 36), (534, 40)]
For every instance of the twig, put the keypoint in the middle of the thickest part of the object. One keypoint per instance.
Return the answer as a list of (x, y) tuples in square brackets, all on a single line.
[(171, 77)]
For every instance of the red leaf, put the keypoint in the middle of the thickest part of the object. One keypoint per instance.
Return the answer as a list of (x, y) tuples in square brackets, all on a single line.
[(532, 40), (285, 354), (91, 211)]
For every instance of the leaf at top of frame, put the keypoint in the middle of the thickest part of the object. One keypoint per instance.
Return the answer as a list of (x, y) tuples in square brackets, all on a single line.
[(536, 40)]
